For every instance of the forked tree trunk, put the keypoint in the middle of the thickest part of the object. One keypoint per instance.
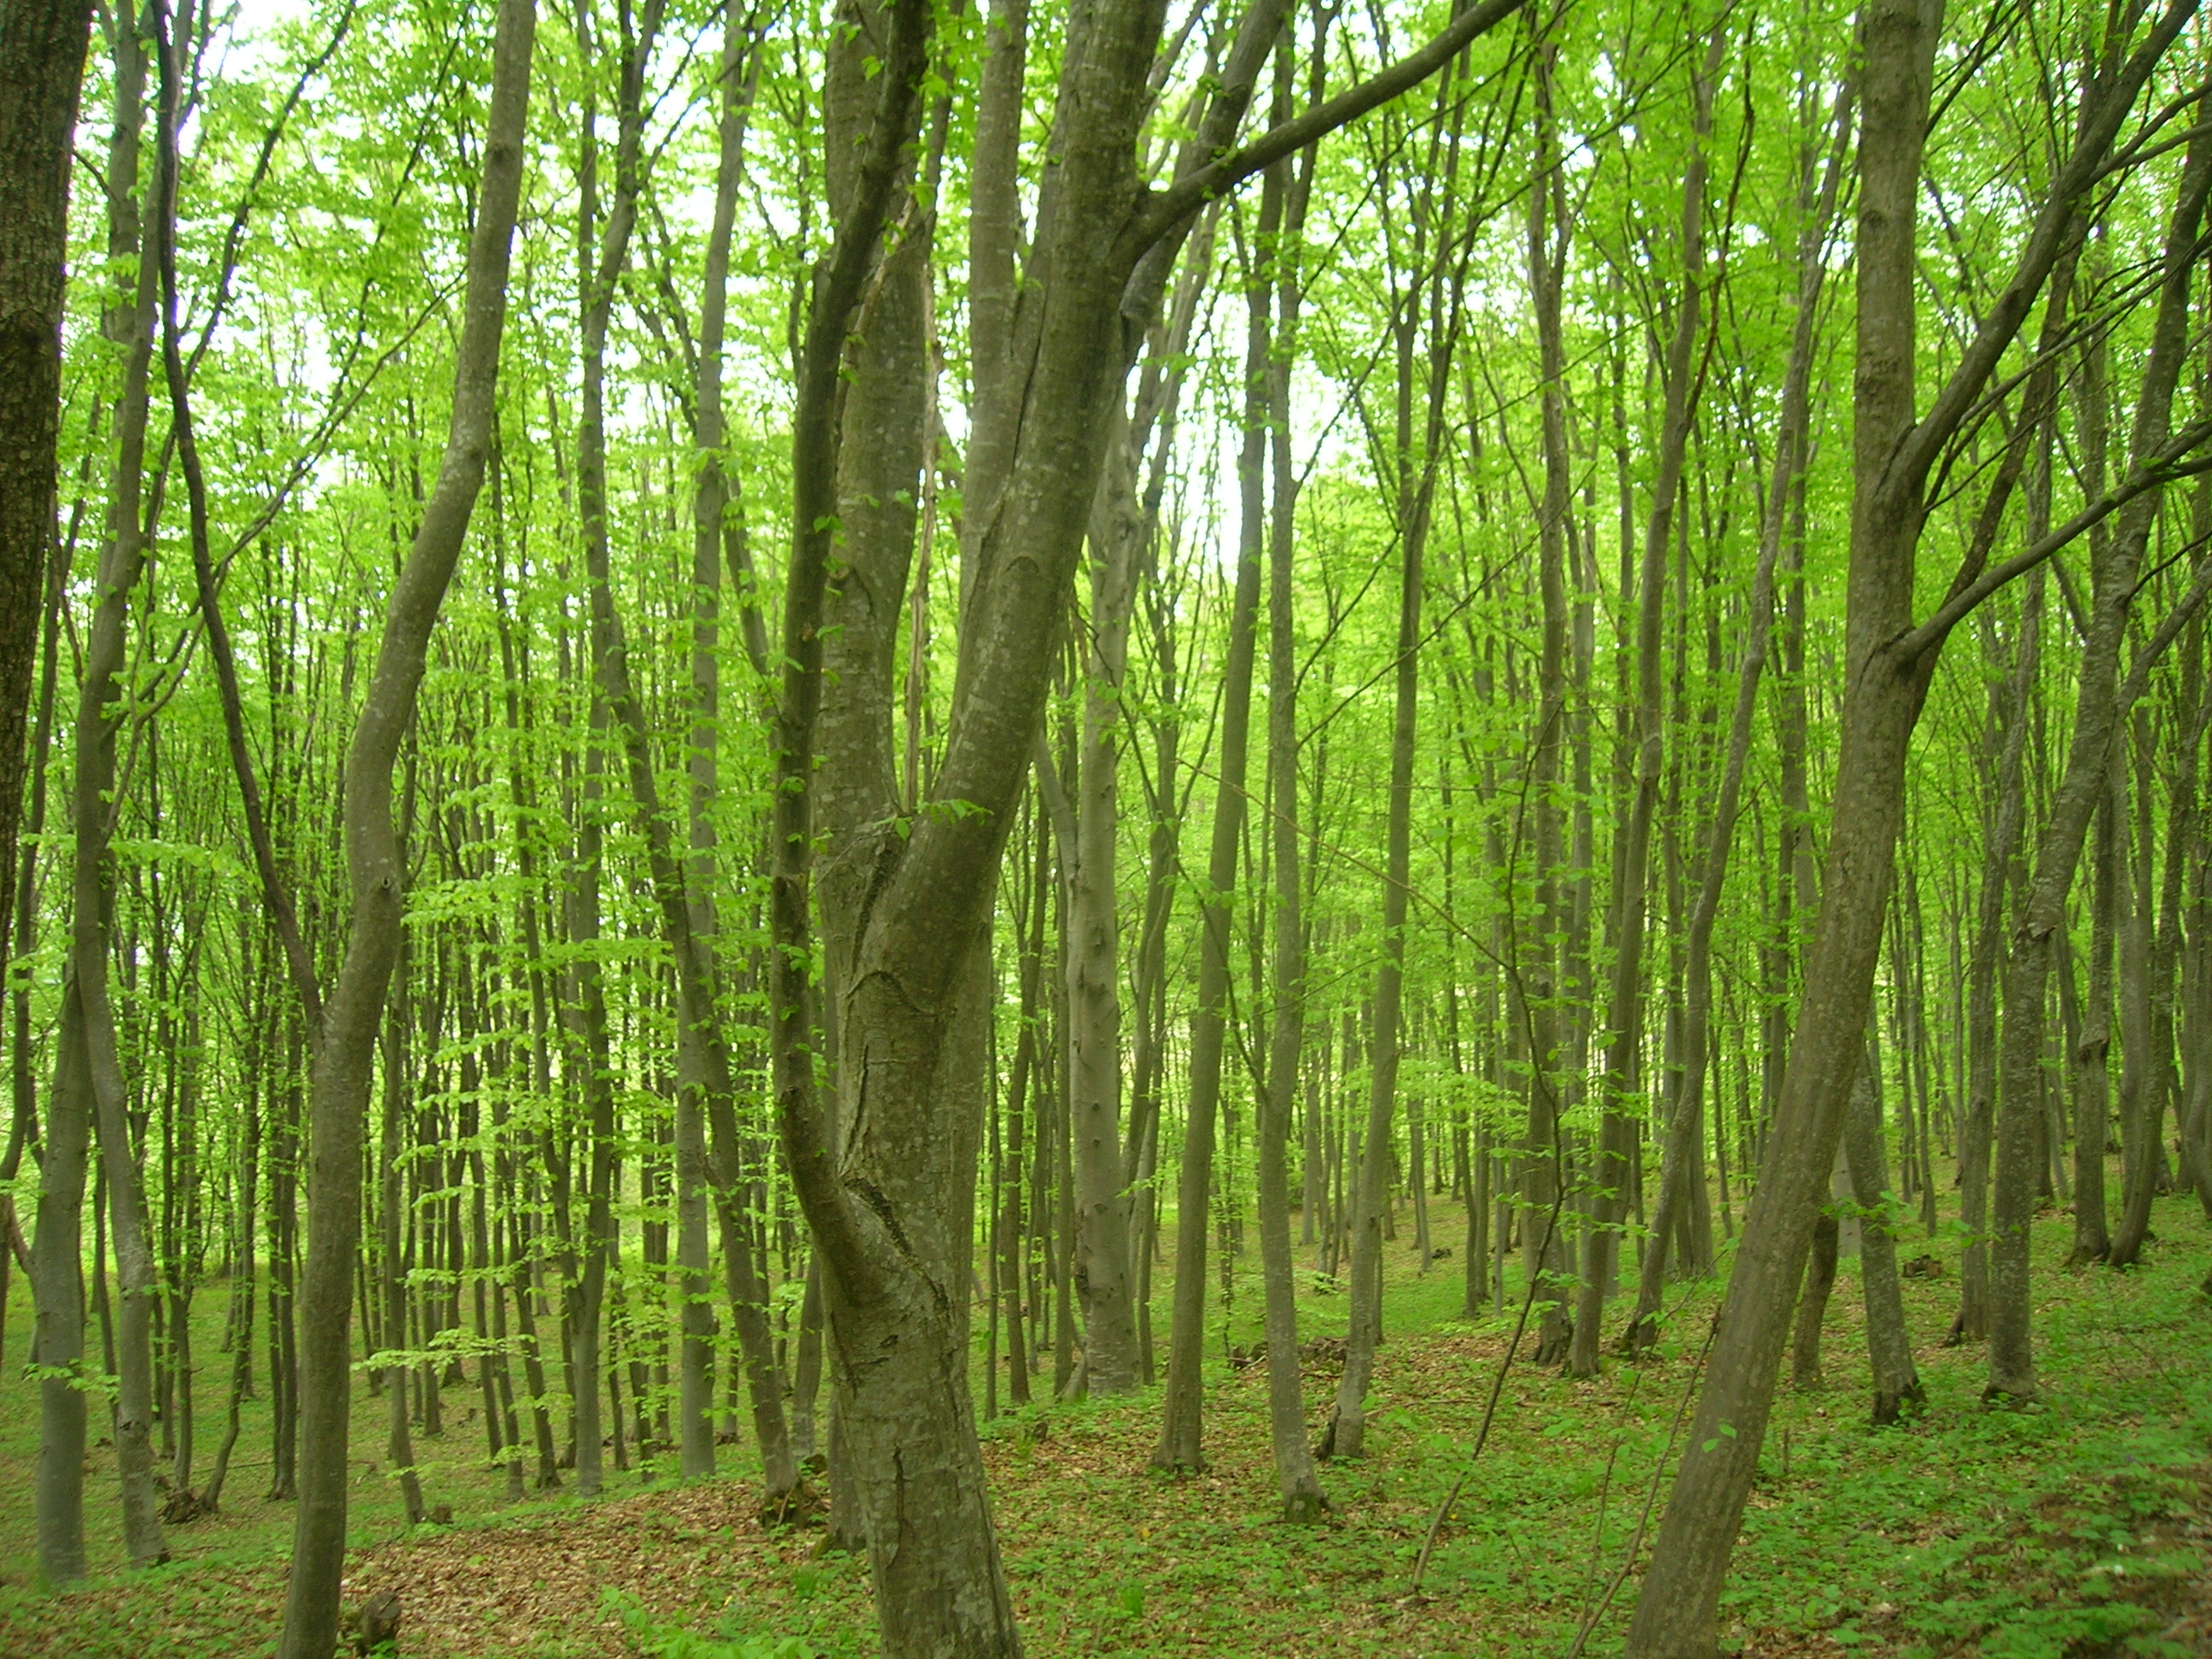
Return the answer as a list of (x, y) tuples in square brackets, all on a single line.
[(890, 1204), (344, 1058), (2101, 711), (1888, 662)]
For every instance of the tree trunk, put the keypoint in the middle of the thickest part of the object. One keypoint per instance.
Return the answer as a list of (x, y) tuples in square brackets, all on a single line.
[(1179, 1446), (2101, 711), (1813, 1303), (58, 1288), (399, 1448), (1887, 666), (1625, 1017), (1297, 1483), (99, 713), (1889, 1343), (343, 1058), (42, 54), (1790, 464), (2092, 1110)]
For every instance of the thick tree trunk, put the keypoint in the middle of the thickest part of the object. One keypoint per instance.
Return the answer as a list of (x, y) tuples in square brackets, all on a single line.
[(891, 1202), (343, 1058)]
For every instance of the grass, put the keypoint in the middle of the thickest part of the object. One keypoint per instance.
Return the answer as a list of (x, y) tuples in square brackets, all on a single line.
[(2079, 1527)]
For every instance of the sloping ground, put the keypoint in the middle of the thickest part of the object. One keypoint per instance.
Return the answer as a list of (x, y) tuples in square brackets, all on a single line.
[(2078, 1528)]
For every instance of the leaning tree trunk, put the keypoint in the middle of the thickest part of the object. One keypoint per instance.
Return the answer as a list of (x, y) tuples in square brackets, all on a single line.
[(344, 1058), (1888, 662), (2100, 709)]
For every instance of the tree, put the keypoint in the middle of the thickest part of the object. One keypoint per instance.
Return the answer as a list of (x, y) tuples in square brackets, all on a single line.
[(344, 1057)]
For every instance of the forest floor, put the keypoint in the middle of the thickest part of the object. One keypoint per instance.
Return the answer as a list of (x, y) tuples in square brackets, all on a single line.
[(2082, 1525)]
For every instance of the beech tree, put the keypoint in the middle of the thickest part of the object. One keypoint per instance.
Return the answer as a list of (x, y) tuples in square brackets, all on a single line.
[(884, 716)]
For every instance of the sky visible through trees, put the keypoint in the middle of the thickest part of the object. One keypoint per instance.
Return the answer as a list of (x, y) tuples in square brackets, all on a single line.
[(752, 743)]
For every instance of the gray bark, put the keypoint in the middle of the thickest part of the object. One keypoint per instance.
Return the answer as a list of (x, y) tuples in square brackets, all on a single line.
[(94, 810), (2100, 710), (1297, 1483), (1789, 444), (344, 1058), (58, 1291), (1625, 1015), (1887, 662), (1889, 1343)]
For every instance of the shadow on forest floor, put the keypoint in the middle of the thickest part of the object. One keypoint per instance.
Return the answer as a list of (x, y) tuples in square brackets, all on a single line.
[(2079, 1528)]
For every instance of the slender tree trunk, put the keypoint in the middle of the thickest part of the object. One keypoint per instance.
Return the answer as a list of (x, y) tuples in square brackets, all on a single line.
[(1812, 1303), (2093, 1110), (1345, 1434), (1783, 489), (1179, 1446), (1297, 1483), (399, 1447), (343, 1058), (1889, 1343), (1624, 1018), (57, 1287), (100, 713)]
